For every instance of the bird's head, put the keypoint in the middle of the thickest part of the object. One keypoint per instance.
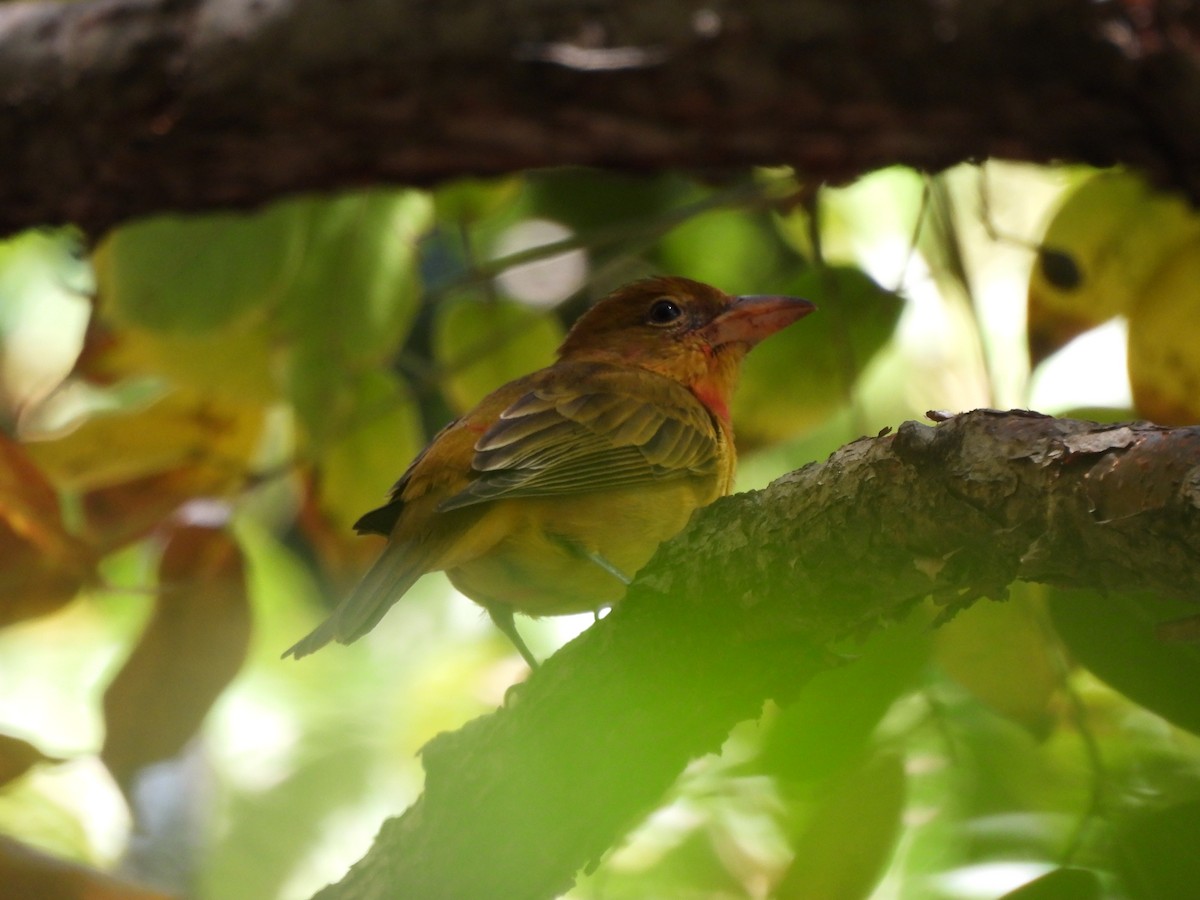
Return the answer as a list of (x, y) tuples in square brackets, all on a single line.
[(685, 330)]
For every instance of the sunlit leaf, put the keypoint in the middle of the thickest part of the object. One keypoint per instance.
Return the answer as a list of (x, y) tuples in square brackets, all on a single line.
[(728, 248), (798, 377), (1001, 654), (1106, 240), (294, 812), (1164, 341), (45, 301), (181, 430), (848, 837), (1115, 637), (190, 650), (881, 208), (482, 343), (17, 757)]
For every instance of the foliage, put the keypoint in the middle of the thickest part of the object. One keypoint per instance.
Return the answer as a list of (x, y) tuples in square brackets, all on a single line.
[(186, 454)]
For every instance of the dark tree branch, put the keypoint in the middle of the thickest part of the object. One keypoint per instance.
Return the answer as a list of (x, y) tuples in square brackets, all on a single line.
[(120, 108), (739, 608)]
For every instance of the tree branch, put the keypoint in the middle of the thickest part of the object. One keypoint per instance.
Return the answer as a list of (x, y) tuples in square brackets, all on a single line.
[(739, 609), (114, 109)]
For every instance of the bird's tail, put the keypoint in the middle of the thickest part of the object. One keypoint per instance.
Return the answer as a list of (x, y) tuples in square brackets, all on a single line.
[(385, 582)]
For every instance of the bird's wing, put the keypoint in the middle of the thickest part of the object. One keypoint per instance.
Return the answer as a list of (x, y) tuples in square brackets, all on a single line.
[(442, 468), (613, 428)]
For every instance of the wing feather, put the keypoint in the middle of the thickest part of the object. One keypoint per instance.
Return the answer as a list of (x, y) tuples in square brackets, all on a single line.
[(583, 434)]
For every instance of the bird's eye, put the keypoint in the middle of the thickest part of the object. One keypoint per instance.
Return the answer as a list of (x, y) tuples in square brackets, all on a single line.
[(664, 311)]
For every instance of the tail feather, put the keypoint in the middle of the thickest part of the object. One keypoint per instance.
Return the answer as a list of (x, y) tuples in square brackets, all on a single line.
[(385, 583)]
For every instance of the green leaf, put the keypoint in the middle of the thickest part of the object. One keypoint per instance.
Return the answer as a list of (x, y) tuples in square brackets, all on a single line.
[(356, 285), (882, 207), (171, 273), (1114, 636), (1001, 653), (465, 201), (45, 286), (484, 343), (1061, 884), (1156, 853), (848, 838), (827, 725), (380, 433), (730, 249), (800, 376)]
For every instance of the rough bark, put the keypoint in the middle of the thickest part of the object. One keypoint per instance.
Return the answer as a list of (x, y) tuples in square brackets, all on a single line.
[(518, 801), (113, 109)]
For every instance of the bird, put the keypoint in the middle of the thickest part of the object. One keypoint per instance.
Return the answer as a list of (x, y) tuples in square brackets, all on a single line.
[(550, 494)]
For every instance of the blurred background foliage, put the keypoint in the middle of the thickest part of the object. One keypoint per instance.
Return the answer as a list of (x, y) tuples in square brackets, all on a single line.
[(196, 410)]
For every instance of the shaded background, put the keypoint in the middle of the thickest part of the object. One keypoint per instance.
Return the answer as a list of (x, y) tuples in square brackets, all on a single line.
[(197, 410)]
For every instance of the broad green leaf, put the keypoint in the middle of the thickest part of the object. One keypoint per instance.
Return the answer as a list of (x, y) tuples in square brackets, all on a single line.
[(379, 437), (481, 344), (465, 201), (848, 837), (1002, 655), (177, 274), (1156, 853), (729, 249), (356, 286), (800, 376), (1114, 636), (1164, 341), (210, 301), (827, 725), (1106, 240)]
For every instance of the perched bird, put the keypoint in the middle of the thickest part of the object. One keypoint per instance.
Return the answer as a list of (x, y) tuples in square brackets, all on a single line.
[(552, 492)]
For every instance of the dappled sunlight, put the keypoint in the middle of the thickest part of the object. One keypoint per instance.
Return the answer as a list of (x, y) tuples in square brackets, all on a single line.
[(286, 365)]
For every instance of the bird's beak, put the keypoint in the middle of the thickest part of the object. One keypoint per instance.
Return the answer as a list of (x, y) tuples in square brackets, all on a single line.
[(750, 319)]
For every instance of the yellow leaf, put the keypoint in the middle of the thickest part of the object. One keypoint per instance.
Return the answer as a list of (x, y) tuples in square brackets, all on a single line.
[(1106, 240), (183, 429), (1164, 341)]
